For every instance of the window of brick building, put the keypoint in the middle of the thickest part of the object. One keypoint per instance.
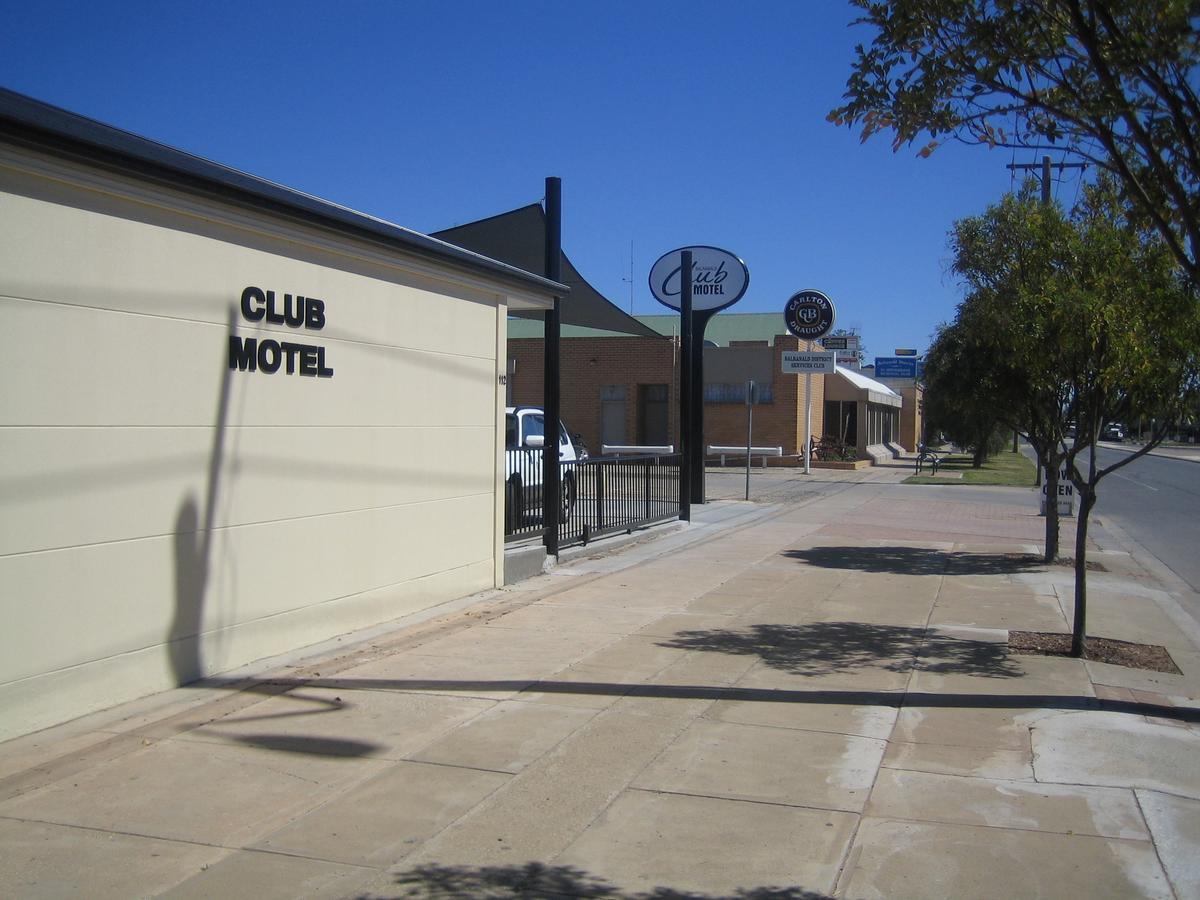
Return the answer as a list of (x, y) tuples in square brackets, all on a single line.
[(653, 415), (612, 414)]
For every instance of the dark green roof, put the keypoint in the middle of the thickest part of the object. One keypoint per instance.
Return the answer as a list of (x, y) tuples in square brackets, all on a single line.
[(725, 327)]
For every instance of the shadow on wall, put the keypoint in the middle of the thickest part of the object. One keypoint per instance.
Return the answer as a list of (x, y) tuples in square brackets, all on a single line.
[(193, 545)]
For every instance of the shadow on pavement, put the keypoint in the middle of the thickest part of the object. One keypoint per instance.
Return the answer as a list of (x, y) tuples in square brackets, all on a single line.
[(316, 746), (707, 692), (914, 561), (536, 881), (821, 648)]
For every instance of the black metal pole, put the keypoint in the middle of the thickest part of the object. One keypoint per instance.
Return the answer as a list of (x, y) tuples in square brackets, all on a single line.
[(552, 395), (699, 324), (685, 386)]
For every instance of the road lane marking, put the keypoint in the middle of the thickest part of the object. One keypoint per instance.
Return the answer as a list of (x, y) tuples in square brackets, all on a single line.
[(1135, 481)]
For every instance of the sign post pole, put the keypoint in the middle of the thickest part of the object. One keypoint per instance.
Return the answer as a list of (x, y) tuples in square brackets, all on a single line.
[(808, 419), (749, 430), (699, 281), (685, 386), (809, 315)]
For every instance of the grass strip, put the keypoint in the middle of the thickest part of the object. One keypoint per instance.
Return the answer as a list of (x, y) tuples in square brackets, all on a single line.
[(1005, 468)]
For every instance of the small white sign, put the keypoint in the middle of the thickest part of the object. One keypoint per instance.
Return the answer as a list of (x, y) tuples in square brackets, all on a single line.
[(808, 362), (1066, 494)]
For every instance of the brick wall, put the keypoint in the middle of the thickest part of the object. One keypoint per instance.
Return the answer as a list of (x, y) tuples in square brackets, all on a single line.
[(590, 364)]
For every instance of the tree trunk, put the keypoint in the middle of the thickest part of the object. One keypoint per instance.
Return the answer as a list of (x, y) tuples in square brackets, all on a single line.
[(1087, 499), (1051, 462)]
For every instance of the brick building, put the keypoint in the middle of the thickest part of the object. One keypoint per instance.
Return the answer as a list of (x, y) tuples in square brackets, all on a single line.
[(625, 390), (619, 377)]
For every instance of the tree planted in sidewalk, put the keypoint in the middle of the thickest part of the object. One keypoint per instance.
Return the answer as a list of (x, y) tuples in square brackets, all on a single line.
[(1132, 349), (1113, 82), (1013, 260), (1086, 319)]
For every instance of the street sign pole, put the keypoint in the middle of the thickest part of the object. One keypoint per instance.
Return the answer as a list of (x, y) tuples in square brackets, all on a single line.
[(685, 387), (808, 419), (698, 281), (749, 430), (809, 315)]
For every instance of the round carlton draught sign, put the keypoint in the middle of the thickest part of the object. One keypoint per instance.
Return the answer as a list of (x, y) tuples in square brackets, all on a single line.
[(809, 315), (719, 279)]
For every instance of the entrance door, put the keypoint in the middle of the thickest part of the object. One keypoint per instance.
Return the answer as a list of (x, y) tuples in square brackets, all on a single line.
[(653, 403), (612, 415)]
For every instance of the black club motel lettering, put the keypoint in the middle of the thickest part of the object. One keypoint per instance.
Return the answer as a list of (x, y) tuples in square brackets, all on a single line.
[(266, 355)]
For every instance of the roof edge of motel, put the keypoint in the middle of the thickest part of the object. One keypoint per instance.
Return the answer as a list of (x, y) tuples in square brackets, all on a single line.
[(38, 125)]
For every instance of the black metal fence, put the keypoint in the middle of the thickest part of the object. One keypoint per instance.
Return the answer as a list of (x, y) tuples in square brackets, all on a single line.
[(600, 495)]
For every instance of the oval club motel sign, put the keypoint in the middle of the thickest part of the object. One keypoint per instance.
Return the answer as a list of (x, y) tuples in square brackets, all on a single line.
[(719, 279)]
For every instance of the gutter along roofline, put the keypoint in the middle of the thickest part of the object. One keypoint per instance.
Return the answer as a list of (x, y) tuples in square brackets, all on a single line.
[(31, 123)]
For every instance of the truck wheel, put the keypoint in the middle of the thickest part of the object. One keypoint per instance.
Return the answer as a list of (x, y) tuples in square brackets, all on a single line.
[(568, 495), (514, 516)]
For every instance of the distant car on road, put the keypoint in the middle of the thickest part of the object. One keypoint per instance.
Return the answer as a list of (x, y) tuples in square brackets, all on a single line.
[(1112, 432)]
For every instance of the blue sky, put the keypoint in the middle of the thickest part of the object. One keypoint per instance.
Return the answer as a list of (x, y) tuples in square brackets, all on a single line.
[(669, 123)]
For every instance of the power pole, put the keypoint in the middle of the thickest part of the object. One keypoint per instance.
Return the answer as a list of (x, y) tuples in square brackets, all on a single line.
[(1045, 166)]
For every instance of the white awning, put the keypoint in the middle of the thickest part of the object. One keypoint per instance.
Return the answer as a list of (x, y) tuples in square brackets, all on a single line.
[(877, 391)]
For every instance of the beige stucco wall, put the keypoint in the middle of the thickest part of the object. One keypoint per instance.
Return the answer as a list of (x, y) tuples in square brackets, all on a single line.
[(165, 517)]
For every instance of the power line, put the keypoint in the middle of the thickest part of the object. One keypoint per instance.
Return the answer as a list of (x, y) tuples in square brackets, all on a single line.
[(1045, 166)]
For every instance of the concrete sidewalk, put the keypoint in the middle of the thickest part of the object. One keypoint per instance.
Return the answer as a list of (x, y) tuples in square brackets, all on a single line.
[(792, 700)]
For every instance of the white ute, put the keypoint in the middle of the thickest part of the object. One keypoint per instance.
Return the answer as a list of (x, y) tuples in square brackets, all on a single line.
[(524, 441)]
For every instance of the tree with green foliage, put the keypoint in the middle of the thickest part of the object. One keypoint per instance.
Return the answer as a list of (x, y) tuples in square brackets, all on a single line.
[(959, 378), (1086, 319), (1114, 82), (1132, 348), (1011, 260)]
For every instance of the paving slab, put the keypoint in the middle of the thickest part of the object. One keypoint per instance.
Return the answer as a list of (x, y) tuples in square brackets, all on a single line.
[(633, 658), (484, 677), (890, 676), (231, 795), (598, 617), (872, 721), (492, 642), (43, 860), (389, 724), (776, 765), (963, 726), (540, 811), (1029, 675), (893, 860), (1148, 681), (1062, 809), (646, 842), (271, 876), (688, 686), (1115, 749), (952, 759), (1175, 824), (581, 687), (1011, 610), (875, 605), (507, 737), (383, 819), (675, 625), (1129, 617)]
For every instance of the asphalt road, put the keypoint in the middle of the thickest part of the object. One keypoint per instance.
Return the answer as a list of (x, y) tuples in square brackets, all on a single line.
[(1157, 502)]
